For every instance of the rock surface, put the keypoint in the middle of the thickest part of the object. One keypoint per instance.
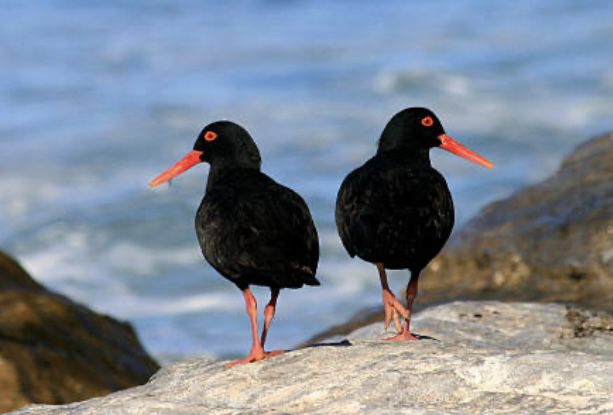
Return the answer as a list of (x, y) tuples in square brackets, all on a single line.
[(551, 242), (53, 350), (480, 357)]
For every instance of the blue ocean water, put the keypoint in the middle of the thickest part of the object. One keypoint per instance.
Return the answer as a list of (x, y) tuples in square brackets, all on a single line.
[(95, 100)]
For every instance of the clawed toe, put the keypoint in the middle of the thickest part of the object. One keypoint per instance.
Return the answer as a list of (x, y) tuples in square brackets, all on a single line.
[(393, 311), (254, 357), (392, 315), (404, 335)]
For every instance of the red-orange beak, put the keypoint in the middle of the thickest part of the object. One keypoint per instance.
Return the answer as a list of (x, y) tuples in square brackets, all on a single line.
[(190, 160), (449, 144)]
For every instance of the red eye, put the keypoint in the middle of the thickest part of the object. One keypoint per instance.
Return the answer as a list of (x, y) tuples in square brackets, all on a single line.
[(427, 121), (210, 136)]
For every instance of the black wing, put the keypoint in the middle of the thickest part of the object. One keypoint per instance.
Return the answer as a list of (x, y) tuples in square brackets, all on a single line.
[(255, 231), (394, 214)]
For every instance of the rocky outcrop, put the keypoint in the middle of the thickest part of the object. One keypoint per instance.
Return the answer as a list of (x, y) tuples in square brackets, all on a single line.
[(53, 350), (551, 242), (474, 357)]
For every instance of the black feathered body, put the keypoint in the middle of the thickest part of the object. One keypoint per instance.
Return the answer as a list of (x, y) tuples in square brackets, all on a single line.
[(253, 230), (395, 210)]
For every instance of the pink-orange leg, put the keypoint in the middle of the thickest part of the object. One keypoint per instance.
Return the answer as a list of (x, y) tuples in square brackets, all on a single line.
[(257, 350), (393, 308), (405, 333), (269, 313)]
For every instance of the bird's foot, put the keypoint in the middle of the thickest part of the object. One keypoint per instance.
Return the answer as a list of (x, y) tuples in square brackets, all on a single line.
[(393, 310), (404, 335), (255, 356)]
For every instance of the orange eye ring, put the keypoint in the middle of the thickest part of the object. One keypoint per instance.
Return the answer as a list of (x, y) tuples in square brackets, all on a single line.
[(427, 121), (210, 136)]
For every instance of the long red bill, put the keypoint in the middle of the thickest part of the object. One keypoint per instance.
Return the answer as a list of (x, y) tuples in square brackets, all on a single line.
[(449, 144), (190, 160)]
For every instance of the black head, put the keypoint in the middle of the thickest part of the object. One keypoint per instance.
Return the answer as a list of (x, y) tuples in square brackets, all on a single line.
[(221, 144), (414, 131), (225, 142), (411, 129)]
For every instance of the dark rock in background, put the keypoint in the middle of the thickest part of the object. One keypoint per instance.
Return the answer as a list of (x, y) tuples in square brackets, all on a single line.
[(550, 242), (53, 350)]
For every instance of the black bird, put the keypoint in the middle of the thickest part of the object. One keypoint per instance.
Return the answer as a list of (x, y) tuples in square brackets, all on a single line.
[(251, 229), (396, 211)]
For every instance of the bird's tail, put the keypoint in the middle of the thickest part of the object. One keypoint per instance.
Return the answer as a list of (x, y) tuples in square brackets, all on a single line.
[(303, 276), (310, 280)]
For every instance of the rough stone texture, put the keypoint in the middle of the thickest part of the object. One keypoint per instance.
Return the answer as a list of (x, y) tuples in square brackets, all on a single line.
[(53, 350), (551, 242), (480, 357)]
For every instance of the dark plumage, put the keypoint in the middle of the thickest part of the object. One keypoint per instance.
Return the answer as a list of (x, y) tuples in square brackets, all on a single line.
[(385, 214), (255, 231), (396, 211), (251, 229)]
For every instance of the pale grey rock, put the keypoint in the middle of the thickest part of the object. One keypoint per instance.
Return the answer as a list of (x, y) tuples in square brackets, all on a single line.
[(480, 358)]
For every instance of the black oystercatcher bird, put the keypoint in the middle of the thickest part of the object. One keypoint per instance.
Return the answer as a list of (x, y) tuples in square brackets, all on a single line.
[(251, 229), (396, 211)]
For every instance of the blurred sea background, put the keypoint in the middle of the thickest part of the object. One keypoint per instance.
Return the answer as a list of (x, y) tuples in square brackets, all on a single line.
[(97, 99)]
